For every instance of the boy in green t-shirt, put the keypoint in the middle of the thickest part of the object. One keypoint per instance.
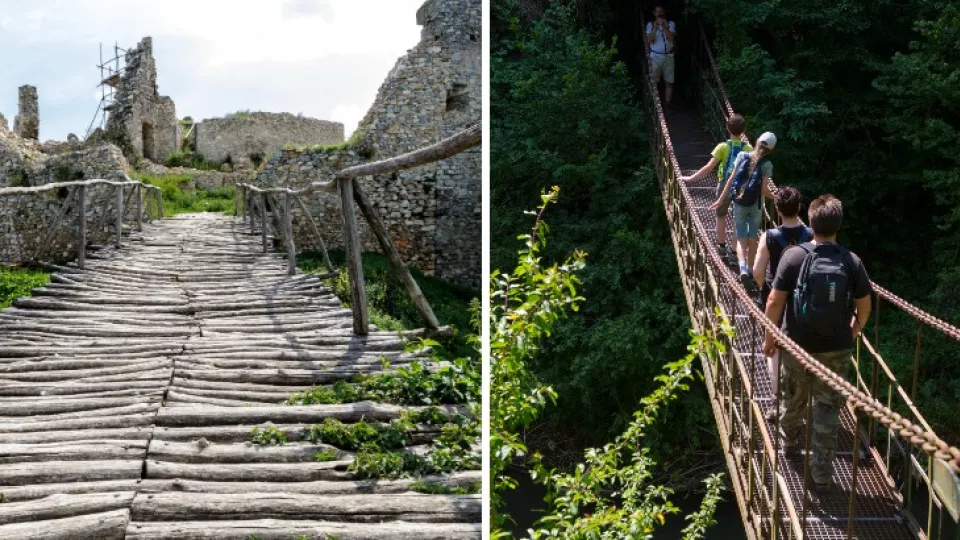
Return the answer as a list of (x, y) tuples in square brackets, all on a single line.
[(724, 154)]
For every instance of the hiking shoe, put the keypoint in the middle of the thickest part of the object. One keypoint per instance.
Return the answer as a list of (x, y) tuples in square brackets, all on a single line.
[(749, 284)]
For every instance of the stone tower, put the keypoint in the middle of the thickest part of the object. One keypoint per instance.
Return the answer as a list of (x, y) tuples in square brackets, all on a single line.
[(141, 119), (27, 122)]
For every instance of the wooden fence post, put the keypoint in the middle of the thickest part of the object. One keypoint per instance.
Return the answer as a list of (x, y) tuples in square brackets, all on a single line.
[(263, 219), (139, 196), (119, 214), (251, 206), (236, 201), (82, 247), (351, 243), (288, 229), (386, 245), (160, 204)]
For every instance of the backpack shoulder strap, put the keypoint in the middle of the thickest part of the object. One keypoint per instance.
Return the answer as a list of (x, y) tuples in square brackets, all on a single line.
[(776, 235)]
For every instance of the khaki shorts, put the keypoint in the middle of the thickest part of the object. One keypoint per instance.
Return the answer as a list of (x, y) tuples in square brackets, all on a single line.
[(661, 64)]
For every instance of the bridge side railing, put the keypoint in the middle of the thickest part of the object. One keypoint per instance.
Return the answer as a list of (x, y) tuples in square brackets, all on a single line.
[(34, 234), (261, 203), (903, 461), (750, 448)]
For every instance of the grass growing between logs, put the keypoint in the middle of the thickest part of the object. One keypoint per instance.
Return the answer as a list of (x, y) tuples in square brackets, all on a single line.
[(180, 196), (382, 450), (390, 306), (17, 282)]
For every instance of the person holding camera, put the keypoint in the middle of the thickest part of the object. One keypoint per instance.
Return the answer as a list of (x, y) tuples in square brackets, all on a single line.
[(660, 35)]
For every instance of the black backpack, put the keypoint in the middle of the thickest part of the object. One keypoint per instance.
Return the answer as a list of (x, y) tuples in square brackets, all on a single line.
[(747, 188), (823, 299)]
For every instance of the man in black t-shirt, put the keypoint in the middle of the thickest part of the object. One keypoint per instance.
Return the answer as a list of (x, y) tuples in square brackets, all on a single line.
[(831, 349), (773, 243)]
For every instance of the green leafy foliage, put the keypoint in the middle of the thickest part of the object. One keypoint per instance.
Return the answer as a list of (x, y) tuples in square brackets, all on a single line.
[(414, 384), (326, 455), (186, 158), (564, 112), (611, 493), (433, 488), (17, 282), (389, 304), (267, 435), (179, 195)]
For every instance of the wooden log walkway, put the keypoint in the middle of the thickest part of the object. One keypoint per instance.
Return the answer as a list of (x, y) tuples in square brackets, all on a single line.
[(129, 389)]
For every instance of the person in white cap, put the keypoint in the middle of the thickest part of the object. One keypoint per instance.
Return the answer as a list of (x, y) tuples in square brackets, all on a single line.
[(748, 184), (661, 34)]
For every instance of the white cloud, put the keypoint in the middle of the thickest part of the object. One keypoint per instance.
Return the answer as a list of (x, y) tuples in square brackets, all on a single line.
[(324, 58)]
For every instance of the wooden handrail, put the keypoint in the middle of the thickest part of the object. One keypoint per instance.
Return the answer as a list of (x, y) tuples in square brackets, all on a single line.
[(350, 193)]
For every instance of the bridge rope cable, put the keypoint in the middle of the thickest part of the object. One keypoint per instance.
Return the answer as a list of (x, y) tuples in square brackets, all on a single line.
[(918, 437)]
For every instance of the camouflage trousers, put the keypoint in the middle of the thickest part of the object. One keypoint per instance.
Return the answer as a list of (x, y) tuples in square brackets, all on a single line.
[(797, 387)]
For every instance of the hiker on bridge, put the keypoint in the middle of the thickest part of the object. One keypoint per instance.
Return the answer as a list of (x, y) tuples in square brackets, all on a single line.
[(773, 242), (825, 290), (661, 34), (724, 154), (747, 185)]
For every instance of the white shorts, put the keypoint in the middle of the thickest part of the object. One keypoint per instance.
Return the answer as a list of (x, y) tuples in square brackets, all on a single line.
[(660, 63)]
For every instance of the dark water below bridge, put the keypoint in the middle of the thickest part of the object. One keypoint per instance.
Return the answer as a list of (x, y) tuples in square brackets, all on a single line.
[(526, 505)]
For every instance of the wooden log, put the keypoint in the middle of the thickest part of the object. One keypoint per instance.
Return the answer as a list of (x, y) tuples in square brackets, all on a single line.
[(39, 491), (73, 451), (320, 487), (365, 508), (202, 451), (351, 242), (104, 525), (139, 196), (82, 226), (141, 433), (64, 505), (256, 415), (400, 269), (273, 529), (250, 472), (316, 235), (50, 472), (288, 230), (95, 422)]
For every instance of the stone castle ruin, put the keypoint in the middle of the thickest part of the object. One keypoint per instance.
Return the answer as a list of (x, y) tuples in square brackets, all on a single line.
[(433, 213), (140, 119)]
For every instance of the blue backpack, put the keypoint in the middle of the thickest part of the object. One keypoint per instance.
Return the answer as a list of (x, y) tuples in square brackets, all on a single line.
[(735, 148), (747, 189)]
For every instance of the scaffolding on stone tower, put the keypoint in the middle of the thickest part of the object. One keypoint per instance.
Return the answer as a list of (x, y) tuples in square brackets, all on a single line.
[(111, 70)]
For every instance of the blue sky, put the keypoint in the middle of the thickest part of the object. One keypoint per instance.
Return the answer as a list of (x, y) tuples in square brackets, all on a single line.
[(322, 58)]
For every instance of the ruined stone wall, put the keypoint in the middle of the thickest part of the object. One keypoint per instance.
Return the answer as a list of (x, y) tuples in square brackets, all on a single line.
[(433, 212), (27, 122), (26, 220), (261, 134), (404, 202), (144, 121)]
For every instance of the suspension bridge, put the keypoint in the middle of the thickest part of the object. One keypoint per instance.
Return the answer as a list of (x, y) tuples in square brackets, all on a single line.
[(894, 477), (130, 385)]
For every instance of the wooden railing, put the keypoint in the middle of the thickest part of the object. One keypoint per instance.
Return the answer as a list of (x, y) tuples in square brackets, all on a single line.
[(78, 189), (253, 202)]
